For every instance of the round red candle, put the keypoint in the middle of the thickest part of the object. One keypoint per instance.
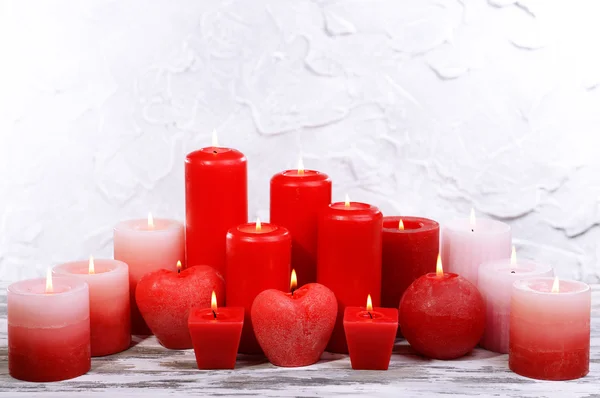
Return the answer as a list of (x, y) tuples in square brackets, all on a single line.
[(110, 320), (442, 315), (370, 333), (216, 199), (297, 197), (258, 258), (216, 335), (349, 259), (410, 246), (48, 329)]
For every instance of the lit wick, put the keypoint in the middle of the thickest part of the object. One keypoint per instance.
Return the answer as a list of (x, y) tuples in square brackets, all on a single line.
[(213, 304), (369, 306), (178, 267), (293, 282)]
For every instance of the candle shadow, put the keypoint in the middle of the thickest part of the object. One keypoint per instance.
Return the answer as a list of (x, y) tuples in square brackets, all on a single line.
[(247, 361), (137, 339), (475, 354)]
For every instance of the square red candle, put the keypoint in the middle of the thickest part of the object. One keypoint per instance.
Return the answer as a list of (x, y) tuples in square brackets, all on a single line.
[(216, 334), (370, 334)]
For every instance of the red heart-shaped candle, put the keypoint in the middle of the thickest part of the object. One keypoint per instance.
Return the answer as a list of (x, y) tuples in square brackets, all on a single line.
[(294, 329), (165, 299)]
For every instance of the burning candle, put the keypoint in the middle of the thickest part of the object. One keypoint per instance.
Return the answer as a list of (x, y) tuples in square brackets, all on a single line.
[(147, 245), (370, 333), (216, 335), (410, 249), (108, 284), (349, 258), (495, 285), (467, 243), (216, 199), (258, 258), (297, 197), (550, 329), (48, 329)]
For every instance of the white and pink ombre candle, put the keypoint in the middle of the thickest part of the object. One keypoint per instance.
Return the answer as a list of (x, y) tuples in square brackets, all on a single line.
[(108, 282), (550, 329), (468, 243), (48, 329), (495, 283), (147, 245)]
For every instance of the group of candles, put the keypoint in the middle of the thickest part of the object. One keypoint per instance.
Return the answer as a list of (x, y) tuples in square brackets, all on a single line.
[(297, 286)]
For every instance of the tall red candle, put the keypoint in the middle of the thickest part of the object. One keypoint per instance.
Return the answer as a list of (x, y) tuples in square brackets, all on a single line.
[(216, 199), (410, 246), (349, 259), (258, 258), (297, 197)]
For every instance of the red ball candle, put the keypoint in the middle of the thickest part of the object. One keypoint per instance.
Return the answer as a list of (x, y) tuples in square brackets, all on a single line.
[(442, 315), (410, 246), (349, 259), (370, 333), (258, 258), (216, 199), (297, 197), (216, 335)]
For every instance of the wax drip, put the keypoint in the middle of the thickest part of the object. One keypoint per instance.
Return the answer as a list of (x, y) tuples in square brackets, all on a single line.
[(214, 314)]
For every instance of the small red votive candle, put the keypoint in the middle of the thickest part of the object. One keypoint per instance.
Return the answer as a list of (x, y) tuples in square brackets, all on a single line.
[(550, 329), (370, 334), (216, 334)]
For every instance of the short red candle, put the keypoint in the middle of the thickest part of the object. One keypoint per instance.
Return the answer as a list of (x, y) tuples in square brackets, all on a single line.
[(216, 335), (349, 259), (258, 258), (297, 197), (442, 315), (216, 199), (370, 333), (409, 250)]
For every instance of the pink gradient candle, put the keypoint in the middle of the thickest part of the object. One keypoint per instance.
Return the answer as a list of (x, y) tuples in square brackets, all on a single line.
[(495, 285), (108, 282), (146, 246), (48, 329), (550, 329), (467, 243)]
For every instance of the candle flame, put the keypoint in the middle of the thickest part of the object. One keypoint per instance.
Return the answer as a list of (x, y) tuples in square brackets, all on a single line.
[(215, 139), (49, 288), (213, 301), (347, 201), (178, 266), (91, 266), (150, 221), (513, 258), (555, 287), (258, 224), (293, 281), (369, 303), (300, 166), (439, 271), (472, 218), (401, 225)]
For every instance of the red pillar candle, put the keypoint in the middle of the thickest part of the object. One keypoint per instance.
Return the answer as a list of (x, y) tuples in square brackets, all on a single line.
[(349, 259), (297, 197), (216, 335), (216, 199), (258, 258), (410, 246), (442, 315), (48, 329), (370, 333), (110, 320)]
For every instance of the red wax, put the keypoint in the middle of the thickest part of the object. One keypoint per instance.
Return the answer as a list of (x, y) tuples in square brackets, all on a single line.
[(442, 317), (406, 255), (216, 199), (256, 261), (293, 329), (349, 259), (370, 336), (165, 299), (216, 339), (297, 198)]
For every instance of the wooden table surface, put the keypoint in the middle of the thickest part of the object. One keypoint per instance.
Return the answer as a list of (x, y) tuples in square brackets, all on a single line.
[(148, 369)]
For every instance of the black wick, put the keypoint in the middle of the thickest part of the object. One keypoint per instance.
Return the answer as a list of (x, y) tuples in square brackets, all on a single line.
[(178, 270), (214, 314), (512, 272), (472, 230), (293, 292), (214, 151), (371, 315)]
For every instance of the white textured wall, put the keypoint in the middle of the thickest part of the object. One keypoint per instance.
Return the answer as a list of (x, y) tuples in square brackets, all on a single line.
[(422, 107)]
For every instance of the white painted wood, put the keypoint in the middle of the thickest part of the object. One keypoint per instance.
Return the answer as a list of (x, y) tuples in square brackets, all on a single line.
[(148, 369)]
